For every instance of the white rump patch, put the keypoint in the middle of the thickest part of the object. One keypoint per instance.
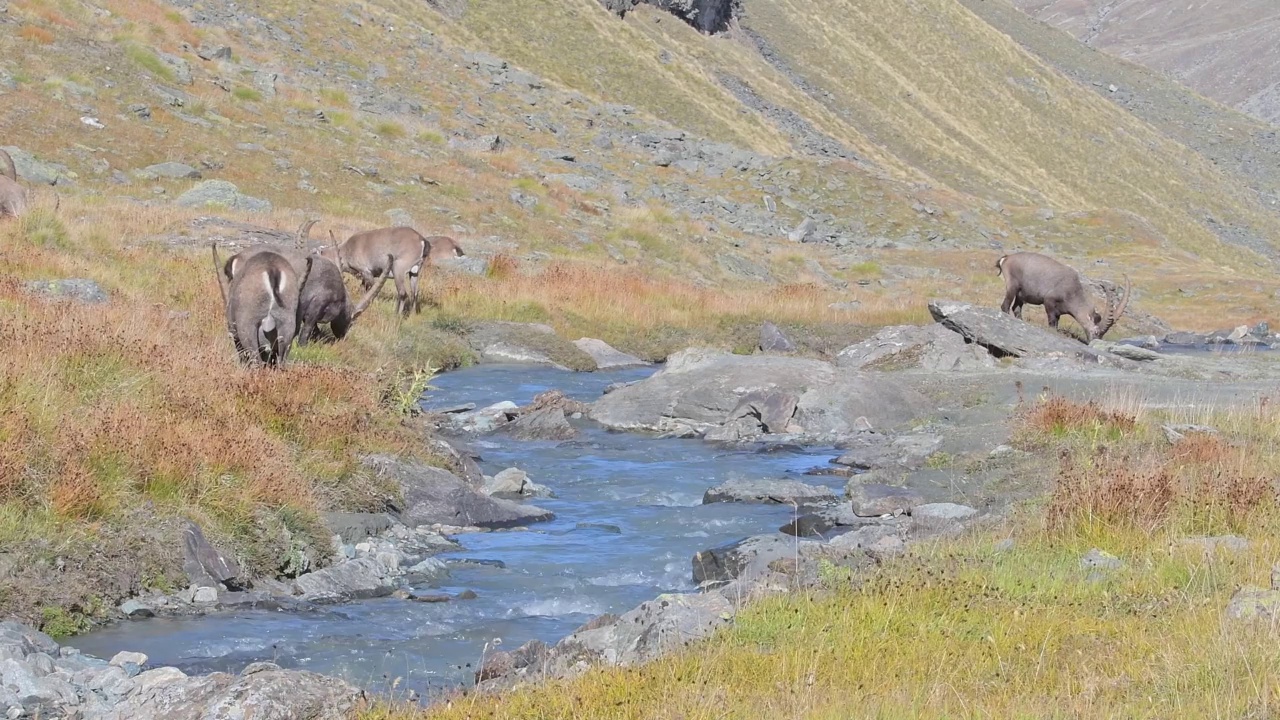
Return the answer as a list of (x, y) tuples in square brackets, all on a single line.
[(415, 269)]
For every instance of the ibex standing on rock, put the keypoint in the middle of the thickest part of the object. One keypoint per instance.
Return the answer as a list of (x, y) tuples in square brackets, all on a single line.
[(1035, 279), (13, 197), (261, 302), (366, 254)]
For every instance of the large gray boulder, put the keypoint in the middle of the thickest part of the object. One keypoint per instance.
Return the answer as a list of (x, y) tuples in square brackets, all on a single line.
[(352, 580), (701, 389), (224, 194), (435, 496), (766, 491), (541, 424), (744, 559), (654, 628), (205, 565), (36, 171), (1005, 335), (929, 347)]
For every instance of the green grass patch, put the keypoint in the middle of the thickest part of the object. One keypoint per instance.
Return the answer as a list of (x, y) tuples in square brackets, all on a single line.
[(149, 61), (246, 94)]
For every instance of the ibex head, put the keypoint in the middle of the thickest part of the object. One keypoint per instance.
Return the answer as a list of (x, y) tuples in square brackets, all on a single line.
[(331, 253)]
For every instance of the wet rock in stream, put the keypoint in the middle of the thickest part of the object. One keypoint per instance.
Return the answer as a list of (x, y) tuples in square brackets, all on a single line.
[(40, 679)]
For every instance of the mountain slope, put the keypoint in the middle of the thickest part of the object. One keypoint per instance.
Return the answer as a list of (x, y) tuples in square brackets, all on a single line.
[(1225, 49), (923, 90)]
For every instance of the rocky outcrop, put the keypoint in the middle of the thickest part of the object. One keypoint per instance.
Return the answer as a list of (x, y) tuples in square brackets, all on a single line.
[(700, 390), (708, 16), (870, 450), (437, 497), (1004, 335), (528, 343), (40, 679), (929, 347), (782, 492)]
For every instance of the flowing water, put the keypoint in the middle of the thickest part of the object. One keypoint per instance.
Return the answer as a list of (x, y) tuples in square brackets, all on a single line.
[(628, 520)]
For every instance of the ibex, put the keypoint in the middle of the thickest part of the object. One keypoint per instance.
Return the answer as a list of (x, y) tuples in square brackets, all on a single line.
[(13, 197), (443, 247), (324, 300), (365, 256), (261, 303), (1035, 279)]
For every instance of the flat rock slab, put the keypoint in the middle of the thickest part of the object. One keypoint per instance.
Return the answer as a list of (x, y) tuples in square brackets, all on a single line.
[(607, 357), (780, 492), (699, 389), (221, 193), (933, 516), (874, 500), (1005, 335), (870, 451), (929, 347)]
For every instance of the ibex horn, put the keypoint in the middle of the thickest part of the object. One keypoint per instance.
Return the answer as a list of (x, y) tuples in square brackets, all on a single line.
[(1114, 312), (373, 292), (304, 231), (217, 270)]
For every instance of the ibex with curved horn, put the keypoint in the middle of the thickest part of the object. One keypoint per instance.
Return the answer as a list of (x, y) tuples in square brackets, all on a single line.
[(1035, 279), (261, 303), (13, 197), (324, 300), (365, 254)]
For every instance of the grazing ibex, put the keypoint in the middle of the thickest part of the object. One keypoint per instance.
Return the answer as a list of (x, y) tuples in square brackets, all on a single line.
[(1035, 279), (443, 247), (365, 256), (324, 300), (13, 197), (261, 303)]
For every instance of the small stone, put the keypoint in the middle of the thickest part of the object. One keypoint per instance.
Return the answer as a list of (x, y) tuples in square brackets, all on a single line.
[(121, 658), (466, 595), (940, 515), (1210, 545), (1097, 559), (205, 595), (1004, 545), (135, 609), (257, 667)]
